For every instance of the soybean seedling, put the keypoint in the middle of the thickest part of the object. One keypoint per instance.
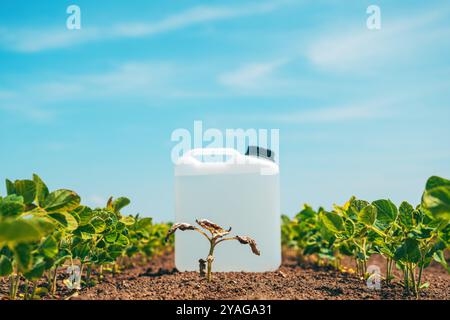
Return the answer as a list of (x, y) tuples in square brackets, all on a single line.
[(217, 236)]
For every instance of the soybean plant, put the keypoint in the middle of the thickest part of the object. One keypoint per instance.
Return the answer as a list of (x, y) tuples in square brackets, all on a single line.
[(217, 236)]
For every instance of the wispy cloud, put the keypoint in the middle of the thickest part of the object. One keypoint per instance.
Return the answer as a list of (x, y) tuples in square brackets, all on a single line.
[(332, 114), (358, 49), (41, 100), (14, 102), (252, 76), (33, 40), (194, 16), (370, 109), (131, 78)]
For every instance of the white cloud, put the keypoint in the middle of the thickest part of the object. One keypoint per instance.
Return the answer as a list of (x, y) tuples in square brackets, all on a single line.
[(371, 109), (33, 40), (42, 97), (13, 102), (252, 76), (359, 49), (194, 16), (332, 114)]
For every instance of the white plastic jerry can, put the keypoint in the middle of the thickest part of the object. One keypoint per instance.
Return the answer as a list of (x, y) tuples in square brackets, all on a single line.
[(240, 191)]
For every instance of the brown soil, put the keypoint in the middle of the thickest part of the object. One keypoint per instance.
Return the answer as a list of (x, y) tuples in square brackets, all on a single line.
[(294, 280)]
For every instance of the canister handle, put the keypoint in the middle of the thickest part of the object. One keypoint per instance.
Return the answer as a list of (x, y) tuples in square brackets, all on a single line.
[(232, 153)]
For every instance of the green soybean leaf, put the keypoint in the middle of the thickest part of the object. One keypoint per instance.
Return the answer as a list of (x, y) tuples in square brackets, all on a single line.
[(10, 188), (406, 214), (10, 207), (306, 213), (84, 213), (386, 211), (65, 219), (61, 200), (333, 222), (357, 205), (41, 190), (5, 266), (111, 237), (115, 251), (18, 231), (26, 189), (145, 223), (437, 202), (98, 224), (43, 225), (120, 203), (87, 229), (120, 226), (13, 198), (49, 247), (36, 272), (440, 258), (22, 257), (122, 241), (409, 251), (368, 215), (128, 221), (386, 250), (434, 182)]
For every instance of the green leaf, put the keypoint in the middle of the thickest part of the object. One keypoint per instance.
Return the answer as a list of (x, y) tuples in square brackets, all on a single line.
[(115, 251), (120, 226), (368, 215), (386, 211), (36, 272), (18, 231), (120, 203), (122, 240), (357, 205), (333, 222), (87, 229), (439, 257), (10, 188), (61, 200), (5, 266), (437, 202), (98, 224), (145, 223), (26, 189), (22, 257), (65, 219), (409, 251), (49, 247), (43, 225), (111, 237), (305, 214), (434, 182), (41, 190), (128, 221), (11, 207), (85, 214), (406, 214)]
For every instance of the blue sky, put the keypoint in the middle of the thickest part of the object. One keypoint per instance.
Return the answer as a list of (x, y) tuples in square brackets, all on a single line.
[(363, 112)]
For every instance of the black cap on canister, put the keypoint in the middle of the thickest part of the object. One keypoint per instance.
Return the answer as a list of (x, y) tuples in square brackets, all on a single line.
[(260, 152)]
